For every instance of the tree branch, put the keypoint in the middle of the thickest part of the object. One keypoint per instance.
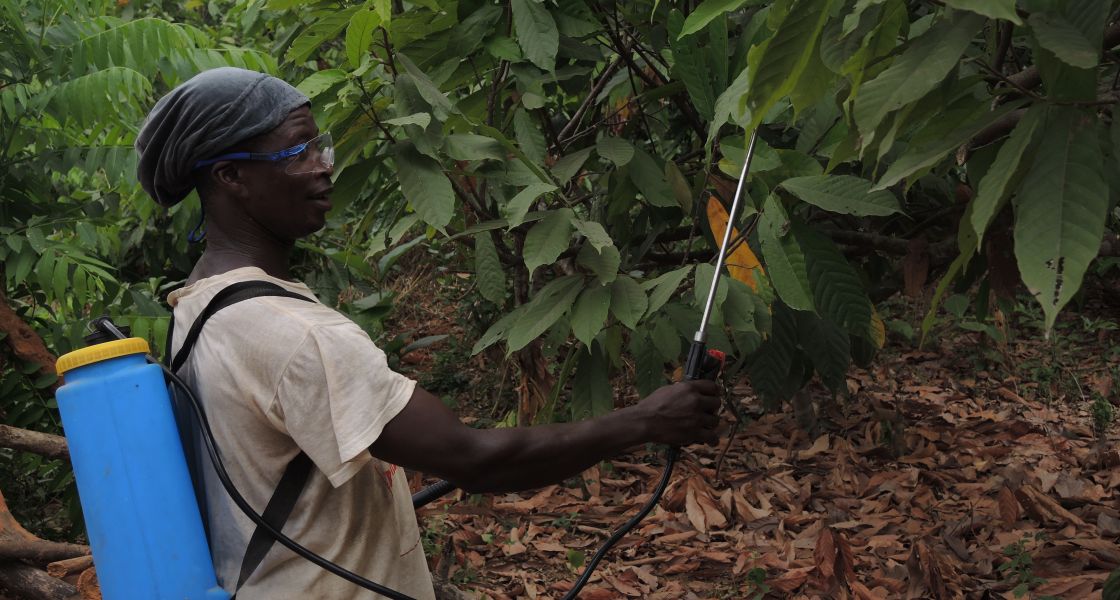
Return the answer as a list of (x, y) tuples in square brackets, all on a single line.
[(604, 77), (43, 444)]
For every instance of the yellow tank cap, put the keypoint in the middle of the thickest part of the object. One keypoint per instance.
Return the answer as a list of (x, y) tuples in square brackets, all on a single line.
[(100, 352)]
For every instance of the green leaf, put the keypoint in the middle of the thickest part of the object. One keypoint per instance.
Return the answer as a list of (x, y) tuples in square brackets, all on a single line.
[(663, 287), (320, 81), (615, 149), (1060, 209), (995, 9), (785, 263), (771, 366), (359, 35), (603, 263), (702, 286), (590, 313), (709, 10), (500, 329), (941, 136), (691, 65), (594, 233), (665, 338), (326, 27), (994, 188), (679, 186), (546, 307), (422, 119), (529, 136), (470, 146), (628, 301), (1059, 36), (843, 194), (570, 164), (730, 106), (490, 276), (650, 180), (514, 211), (837, 291), (536, 33), (547, 239), (591, 389), (920, 68), (425, 186), (429, 91), (828, 347), (649, 369), (785, 55)]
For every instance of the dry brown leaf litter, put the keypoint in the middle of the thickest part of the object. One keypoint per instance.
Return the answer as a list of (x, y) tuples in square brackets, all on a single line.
[(921, 483)]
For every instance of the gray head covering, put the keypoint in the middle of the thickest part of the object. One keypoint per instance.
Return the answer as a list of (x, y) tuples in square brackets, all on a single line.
[(209, 113)]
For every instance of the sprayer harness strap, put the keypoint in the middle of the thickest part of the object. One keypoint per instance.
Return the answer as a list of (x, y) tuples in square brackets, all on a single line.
[(297, 472)]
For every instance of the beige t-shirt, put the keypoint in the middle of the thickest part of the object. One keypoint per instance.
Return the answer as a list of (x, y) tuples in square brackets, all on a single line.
[(277, 375)]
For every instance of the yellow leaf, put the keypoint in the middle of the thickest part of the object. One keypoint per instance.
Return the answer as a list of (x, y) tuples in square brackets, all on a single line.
[(741, 262), (878, 329)]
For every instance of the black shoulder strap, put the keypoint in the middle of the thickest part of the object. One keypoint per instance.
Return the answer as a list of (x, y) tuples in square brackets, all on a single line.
[(297, 472)]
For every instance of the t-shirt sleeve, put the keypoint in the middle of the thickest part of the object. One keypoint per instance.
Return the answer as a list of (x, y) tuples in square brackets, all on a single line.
[(335, 397)]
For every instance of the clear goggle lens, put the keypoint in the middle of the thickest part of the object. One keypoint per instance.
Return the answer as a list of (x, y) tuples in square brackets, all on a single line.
[(317, 155)]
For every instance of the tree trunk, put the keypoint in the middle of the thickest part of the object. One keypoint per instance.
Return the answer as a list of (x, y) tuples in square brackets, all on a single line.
[(25, 343), (43, 444)]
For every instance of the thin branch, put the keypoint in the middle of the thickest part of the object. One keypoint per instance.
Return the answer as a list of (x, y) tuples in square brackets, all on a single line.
[(604, 77)]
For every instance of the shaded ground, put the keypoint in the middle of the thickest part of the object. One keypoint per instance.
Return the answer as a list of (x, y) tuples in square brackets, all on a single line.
[(964, 471)]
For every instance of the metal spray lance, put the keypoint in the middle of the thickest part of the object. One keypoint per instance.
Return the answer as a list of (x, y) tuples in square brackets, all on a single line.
[(697, 351)]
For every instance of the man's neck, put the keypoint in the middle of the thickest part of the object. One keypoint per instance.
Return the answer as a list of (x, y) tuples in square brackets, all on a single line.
[(226, 252)]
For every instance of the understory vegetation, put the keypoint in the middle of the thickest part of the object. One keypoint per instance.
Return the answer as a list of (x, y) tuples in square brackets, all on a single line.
[(530, 195)]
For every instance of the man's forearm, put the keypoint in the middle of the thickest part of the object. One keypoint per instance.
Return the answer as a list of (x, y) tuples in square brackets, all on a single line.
[(528, 457)]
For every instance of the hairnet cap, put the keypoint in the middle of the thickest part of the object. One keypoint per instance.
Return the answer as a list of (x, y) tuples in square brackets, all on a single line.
[(204, 115)]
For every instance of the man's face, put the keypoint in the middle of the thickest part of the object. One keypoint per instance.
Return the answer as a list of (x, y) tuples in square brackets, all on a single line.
[(288, 206)]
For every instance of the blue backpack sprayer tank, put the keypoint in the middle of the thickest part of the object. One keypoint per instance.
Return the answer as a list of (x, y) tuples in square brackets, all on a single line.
[(136, 494)]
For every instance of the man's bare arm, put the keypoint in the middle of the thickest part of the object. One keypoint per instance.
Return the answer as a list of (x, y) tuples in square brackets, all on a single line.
[(427, 436)]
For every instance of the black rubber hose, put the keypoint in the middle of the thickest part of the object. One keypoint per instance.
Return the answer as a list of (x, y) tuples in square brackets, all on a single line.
[(670, 461), (436, 490)]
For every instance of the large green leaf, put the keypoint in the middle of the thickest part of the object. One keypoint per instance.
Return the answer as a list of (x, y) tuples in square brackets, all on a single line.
[(772, 365), (547, 239), (1060, 209), (920, 68), (617, 150), (1066, 41), (425, 186), (828, 347), (995, 186), (603, 263), (529, 136), (590, 313), (628, 301), (470, 146), (662, 287), (995, 9), (837, 291), (490, 277), (591, 389), (709, 10), (536, 32), (940, 137), (785, 55), (514, 210), (359, 34), (546, 307), (594, 233), (785, 262), (650, 180), (692, 67), (843, 194)]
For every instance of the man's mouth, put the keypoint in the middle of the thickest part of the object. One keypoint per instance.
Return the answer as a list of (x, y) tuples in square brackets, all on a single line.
[(323, 196)]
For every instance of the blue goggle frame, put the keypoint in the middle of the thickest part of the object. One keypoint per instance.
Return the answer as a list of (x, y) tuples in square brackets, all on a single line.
[(325, 155)]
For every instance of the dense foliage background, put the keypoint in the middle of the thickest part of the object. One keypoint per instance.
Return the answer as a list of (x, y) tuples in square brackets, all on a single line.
[(578, 158)]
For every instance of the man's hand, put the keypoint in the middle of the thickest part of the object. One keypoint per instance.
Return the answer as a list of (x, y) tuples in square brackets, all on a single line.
[(682, 413)]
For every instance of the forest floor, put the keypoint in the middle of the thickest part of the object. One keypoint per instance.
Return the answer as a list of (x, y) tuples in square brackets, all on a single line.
[(968, 469)]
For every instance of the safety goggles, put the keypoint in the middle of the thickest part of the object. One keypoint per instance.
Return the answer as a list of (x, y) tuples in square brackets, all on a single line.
[(313, 155)]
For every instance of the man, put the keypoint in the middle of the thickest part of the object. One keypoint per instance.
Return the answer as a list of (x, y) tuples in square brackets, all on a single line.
[(279, 375)]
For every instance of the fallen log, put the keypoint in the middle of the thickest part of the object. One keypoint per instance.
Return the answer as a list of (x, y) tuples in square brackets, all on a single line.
[(24, 581), (43, 444), (64, 568), (40, 551)]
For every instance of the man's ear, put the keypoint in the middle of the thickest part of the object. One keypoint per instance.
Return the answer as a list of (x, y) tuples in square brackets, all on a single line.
[(228, 176)]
